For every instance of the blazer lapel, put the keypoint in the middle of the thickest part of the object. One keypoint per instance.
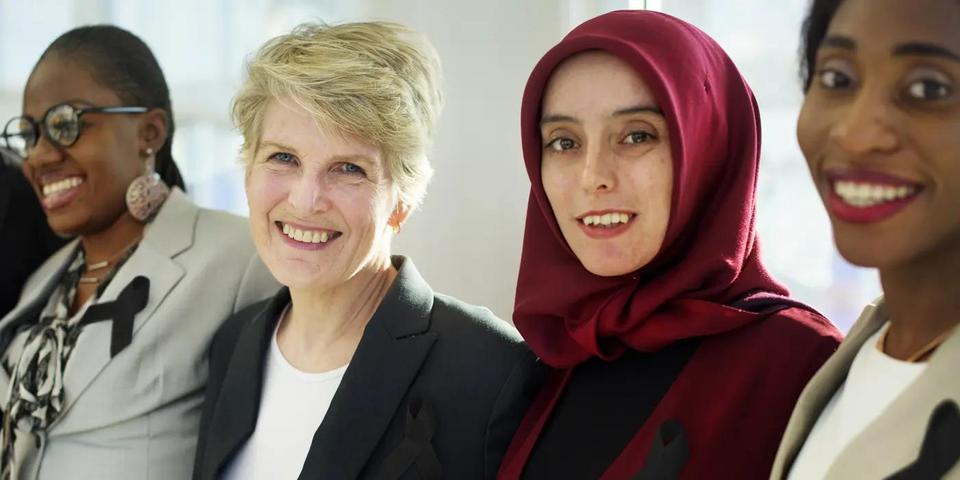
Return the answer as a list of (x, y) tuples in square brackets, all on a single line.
[(238, 401), (894, 440), (394, 345), (33, 300), (170, 233), (821, 388)]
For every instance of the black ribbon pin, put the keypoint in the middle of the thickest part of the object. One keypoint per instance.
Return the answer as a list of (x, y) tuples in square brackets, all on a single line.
[(667, 455), (415, 448), (941, 446), (132, 299)]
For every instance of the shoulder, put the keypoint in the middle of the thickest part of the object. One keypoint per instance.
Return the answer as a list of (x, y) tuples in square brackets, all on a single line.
[(461, 322), (221, 226), (233, 326), (791, 340), (227, 335), (797, 326), (218, 234)]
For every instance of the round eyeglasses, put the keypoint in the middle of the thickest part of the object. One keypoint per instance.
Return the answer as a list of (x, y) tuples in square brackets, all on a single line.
[(61, 124)]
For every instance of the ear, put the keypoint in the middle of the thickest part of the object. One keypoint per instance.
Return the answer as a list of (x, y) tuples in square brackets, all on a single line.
[(398, 216), (153, 129)]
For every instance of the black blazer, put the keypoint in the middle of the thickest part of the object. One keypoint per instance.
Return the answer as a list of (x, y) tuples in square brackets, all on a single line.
[(435, 389), (25, 238)]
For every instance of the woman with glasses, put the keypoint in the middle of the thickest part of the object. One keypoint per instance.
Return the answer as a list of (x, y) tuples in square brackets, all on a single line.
[(102, 361)]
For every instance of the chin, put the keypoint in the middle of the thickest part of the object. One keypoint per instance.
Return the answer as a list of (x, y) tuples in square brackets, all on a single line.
[(868, 252), (611, 268)]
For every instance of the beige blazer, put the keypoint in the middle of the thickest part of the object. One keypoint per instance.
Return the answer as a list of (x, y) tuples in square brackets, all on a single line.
[(893, 441), (136, 415)]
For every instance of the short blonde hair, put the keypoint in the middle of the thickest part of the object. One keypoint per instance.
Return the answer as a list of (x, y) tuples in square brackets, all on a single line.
[(378, 81)]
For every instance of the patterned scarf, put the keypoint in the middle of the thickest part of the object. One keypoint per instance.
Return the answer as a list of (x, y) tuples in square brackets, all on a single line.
[(36, 397)]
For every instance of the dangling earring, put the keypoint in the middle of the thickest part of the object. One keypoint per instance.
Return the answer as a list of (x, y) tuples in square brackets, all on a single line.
[(147, 192)]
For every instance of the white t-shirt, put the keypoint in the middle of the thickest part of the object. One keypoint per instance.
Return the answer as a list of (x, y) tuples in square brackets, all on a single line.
[(874, 381), (292, 405)]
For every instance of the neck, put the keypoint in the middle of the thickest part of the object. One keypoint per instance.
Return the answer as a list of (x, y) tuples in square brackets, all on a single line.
[(110, 243), (324, 327), (923, 300)]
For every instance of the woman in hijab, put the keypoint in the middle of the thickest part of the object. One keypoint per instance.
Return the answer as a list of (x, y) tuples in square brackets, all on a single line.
[(677, 355)]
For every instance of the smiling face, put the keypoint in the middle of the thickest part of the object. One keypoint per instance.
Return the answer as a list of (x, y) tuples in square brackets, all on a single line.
[(880, 128), (606, 163), (82, 187), (321, 204)]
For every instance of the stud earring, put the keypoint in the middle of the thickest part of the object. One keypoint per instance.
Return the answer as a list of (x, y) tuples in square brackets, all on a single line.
[(147, 192)]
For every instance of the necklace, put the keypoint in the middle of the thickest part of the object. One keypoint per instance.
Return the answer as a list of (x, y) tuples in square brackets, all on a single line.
[(104, 264), (924, 350)]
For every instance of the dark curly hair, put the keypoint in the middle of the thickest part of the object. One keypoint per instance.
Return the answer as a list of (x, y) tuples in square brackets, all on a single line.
[(120, 61)]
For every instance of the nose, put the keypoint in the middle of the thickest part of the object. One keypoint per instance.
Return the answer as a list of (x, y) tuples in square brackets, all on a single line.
[(309, 194), (43, 153), (866, 125), (599, 170)]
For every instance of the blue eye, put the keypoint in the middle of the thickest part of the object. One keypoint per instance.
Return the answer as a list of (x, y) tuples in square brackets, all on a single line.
[(282, 157), (561, 144), (638, 137), (351, 169)]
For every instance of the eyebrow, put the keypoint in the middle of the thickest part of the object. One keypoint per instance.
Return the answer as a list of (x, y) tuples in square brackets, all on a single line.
[(926, 49), (910, 48), (277, 145), (623, 111), (839, 41)]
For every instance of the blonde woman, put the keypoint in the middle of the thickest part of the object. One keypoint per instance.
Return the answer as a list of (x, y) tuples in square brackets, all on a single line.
[(356, 368)]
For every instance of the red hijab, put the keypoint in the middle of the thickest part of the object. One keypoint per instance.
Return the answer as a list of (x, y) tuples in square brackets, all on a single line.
[(710, 257)]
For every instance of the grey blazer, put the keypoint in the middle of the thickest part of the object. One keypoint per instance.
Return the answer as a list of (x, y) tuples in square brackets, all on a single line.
[(916, 437), (136, 414)]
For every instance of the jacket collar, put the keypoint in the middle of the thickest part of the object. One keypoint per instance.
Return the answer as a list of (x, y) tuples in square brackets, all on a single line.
[(170, 233), (892, 440), (394, 344)]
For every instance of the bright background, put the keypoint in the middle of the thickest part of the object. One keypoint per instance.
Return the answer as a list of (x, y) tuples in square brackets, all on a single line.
[(466, 238)]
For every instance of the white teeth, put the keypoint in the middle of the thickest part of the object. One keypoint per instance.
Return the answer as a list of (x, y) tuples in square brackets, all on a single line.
[(305, 236), (61, 185), (606, 219), (868, 195)]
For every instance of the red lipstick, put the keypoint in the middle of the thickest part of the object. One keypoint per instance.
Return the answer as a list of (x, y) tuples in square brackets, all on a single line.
[(878, 209)]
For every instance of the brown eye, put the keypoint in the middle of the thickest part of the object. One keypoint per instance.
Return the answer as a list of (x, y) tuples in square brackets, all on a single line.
[(561, 144), (834, 79), (928, 90)]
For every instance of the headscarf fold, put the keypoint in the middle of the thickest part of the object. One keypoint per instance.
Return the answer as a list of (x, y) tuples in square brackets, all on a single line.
[(710, 259)]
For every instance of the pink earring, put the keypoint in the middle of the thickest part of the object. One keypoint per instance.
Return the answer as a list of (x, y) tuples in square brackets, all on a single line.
[(147, 192)]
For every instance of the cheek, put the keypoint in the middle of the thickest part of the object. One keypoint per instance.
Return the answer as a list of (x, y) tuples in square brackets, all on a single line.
[(811, 130), (652, 181), (265, 190), (556, 184)]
